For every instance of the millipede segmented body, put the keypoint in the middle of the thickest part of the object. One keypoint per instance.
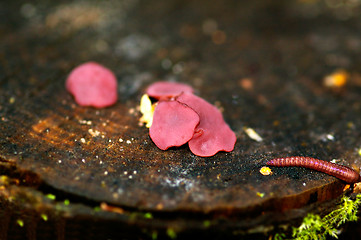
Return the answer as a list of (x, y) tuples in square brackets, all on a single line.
[(342, 172)]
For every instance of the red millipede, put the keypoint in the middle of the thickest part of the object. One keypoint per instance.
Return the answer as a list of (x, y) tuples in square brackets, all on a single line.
[(341, 172)]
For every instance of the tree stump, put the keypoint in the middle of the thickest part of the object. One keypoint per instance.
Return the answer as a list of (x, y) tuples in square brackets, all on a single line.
[(71, 172)]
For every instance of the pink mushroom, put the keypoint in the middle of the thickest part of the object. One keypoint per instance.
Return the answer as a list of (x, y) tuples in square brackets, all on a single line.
[(166, 90), (173, 124), (91, 84), (182, 117), (212, 134)]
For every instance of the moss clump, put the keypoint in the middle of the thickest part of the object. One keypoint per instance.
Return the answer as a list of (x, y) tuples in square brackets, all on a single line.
[(314, 227), (171, 233)]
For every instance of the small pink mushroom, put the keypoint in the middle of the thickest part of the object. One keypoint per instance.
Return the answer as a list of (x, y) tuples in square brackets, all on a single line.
[(182, 117), (91, 84), (166, 90), (212, 134), (173, 124)]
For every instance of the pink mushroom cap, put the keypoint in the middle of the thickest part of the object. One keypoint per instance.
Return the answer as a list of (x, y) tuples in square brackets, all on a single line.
[(173, 124), (92, 84), (212, 133), (164, 90)]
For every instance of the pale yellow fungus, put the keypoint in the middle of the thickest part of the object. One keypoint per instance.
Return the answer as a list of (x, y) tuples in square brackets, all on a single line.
[(147, 109), (252, 134)]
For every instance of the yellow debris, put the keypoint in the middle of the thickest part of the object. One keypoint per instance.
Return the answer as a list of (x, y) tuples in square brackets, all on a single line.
[(265, 171), (346, 187), (259, 194), (336, 79), (109, 208)]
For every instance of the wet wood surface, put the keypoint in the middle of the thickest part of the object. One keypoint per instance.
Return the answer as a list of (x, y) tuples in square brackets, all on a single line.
[(264, 64)]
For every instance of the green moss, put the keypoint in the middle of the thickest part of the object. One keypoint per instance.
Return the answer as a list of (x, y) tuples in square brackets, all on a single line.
[(314, 227), (97, 209), (20, 222), (206, 223), (44, 217), (171, 233), (279, 236), (51, 196), (154, 235), (148, 215), (4, 180)]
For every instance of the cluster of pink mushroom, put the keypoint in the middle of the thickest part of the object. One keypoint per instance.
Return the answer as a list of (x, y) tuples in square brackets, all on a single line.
[(181, 117)]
